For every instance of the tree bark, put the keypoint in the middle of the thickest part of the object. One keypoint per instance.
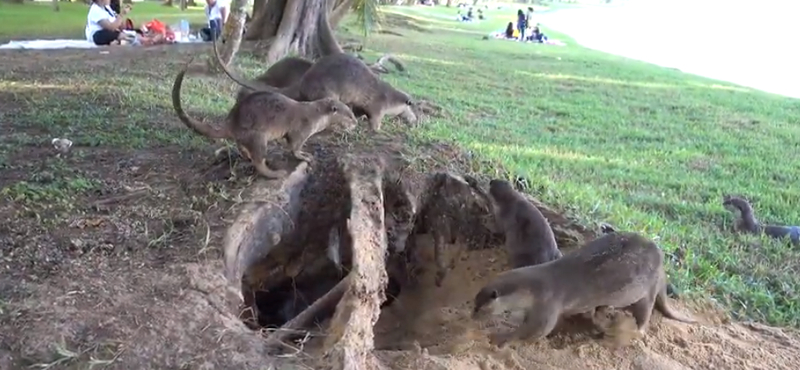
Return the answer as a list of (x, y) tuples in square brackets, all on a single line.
[(292, 26), (55, 6), (183, 5), (232, 32), (339, 11)]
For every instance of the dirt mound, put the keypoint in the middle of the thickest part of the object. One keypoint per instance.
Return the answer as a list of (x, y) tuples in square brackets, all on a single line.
[(424, 326)]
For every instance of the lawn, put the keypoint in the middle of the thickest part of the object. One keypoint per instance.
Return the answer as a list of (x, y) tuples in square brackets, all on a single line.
[(602, 137)]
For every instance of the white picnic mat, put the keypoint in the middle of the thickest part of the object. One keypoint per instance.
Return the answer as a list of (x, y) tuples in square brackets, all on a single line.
[(48, 44)]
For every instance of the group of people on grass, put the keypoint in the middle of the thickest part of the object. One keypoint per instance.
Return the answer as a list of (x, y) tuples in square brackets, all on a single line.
[(526, 29), (470, 16), (108, 24)]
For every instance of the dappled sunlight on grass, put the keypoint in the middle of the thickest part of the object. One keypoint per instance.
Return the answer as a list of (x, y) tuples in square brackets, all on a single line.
[(551, 76), (428, 60), (19, 87), (612, 139), (550, 152)]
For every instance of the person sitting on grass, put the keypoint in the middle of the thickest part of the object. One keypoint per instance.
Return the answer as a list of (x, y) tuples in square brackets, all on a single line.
[(537, 35), (104, 26), (510, 30), (216, 13)]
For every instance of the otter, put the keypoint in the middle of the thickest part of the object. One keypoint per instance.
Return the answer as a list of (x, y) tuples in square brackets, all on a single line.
[(529, 237), (672, 292), (343, 77), (746, 221), (620, 270), (264, 116), (283, 73)]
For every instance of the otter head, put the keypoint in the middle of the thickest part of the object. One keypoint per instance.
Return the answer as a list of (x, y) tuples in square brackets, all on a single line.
[(338, 113), (399, 104), (500, 296), (736, 205), (501, 190)]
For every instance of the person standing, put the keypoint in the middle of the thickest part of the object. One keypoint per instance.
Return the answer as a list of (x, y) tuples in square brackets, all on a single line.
[(521, 24), (217, 14)]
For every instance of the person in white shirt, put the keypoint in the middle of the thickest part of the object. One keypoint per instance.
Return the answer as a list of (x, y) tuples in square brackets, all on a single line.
[(103, 25), (217, 14)]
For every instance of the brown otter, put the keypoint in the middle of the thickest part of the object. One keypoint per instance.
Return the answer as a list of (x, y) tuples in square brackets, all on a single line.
[(529, 237), (672, 292), (283, 73), (343, 77), (746, 221), (621, 270), (264, 116)]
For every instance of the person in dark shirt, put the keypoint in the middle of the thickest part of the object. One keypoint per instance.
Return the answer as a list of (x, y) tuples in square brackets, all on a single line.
[(115, 6), (521, 24), (510, 30)]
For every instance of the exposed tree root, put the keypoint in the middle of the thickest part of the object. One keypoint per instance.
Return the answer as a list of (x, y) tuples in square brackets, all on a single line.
[(326, 303), (350, 343)]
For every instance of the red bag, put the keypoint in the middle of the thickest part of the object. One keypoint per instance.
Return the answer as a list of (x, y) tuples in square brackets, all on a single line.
[(156, 26)]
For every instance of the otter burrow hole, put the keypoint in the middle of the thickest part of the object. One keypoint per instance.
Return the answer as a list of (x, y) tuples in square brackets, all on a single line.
[(291, 247)]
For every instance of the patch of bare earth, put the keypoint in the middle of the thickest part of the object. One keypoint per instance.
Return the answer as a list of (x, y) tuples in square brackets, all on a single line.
[(132, 275)]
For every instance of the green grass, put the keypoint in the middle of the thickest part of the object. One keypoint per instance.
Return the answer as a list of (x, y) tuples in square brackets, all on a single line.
[(612, 139), (31, 20), (606, 138)]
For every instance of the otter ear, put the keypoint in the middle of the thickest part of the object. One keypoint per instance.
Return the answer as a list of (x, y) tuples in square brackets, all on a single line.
[(409, 102), (334, 108)]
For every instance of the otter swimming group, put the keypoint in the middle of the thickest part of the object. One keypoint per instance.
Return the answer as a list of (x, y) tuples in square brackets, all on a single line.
[(298, 98)]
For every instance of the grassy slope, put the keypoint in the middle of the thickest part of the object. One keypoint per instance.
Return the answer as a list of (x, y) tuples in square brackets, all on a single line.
[(607, 138)]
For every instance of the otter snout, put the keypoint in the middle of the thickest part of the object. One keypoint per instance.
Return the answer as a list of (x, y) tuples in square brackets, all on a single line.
[(408, 116)]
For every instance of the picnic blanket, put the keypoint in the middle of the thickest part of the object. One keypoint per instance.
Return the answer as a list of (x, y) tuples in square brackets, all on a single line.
[(48, 44), (62, 44)]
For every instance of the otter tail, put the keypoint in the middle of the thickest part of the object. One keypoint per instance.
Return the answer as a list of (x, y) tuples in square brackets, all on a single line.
[(328, 44), (661, 304), (201, 128), (255, 86)]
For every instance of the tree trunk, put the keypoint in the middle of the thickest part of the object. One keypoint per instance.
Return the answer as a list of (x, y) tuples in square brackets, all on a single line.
[(232, 33), (291, 26), (338, 12), (449, 3), (183, 5), (55, 6), (191, 3), (168, 3)]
